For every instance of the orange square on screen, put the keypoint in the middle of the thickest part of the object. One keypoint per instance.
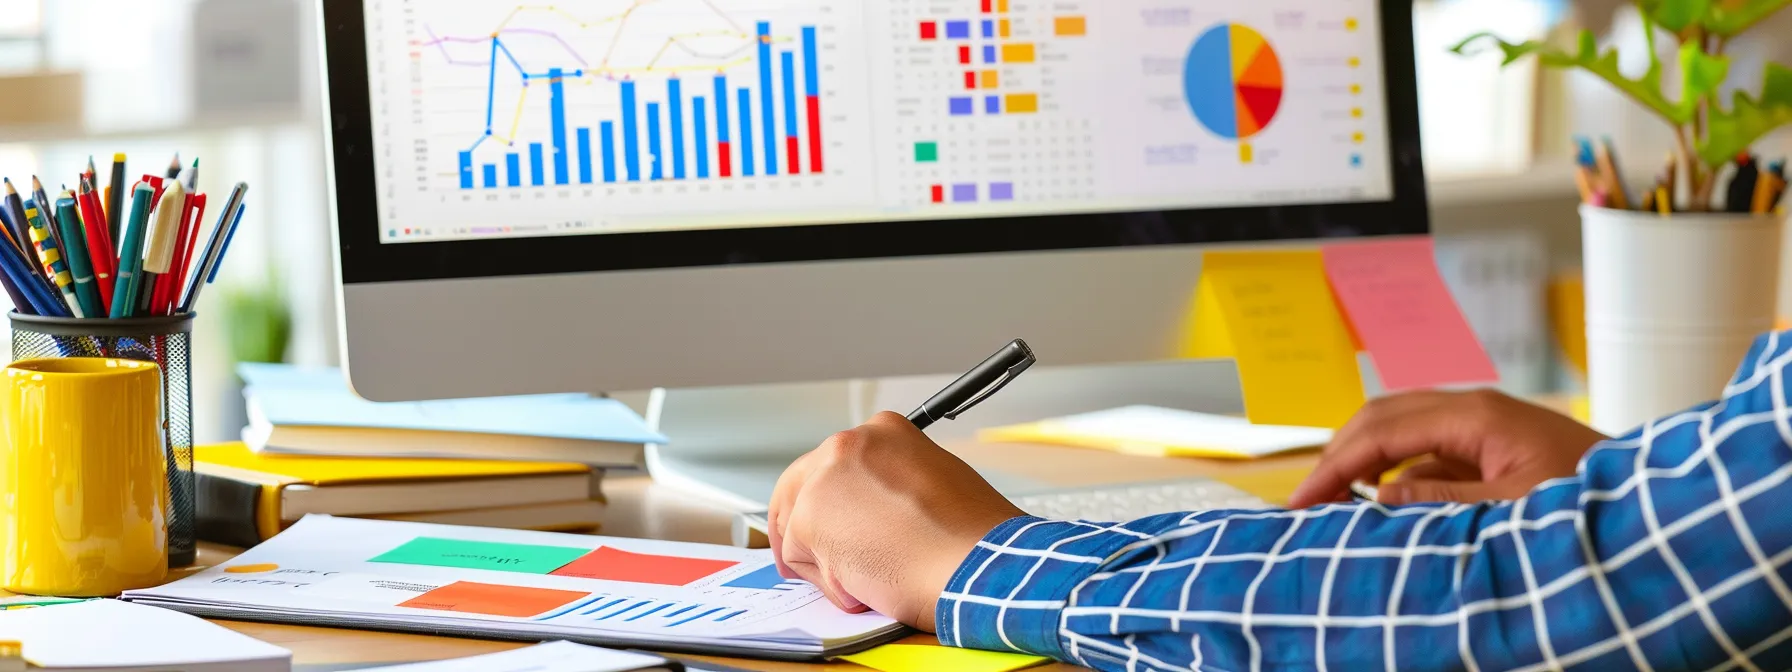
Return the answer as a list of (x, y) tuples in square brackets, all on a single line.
[(493, 600)]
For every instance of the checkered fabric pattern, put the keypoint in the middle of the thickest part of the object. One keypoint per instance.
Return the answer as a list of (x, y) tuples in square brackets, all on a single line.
[(1667, 551)]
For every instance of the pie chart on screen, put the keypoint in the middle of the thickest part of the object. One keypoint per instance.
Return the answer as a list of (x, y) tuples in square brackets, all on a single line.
[(1233, 81)]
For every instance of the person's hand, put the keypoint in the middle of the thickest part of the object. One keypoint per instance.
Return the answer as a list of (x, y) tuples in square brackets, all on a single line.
[(1484, 445), (880, 517)]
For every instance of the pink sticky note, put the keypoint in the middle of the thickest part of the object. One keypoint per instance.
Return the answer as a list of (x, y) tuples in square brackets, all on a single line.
[(1396, 302)]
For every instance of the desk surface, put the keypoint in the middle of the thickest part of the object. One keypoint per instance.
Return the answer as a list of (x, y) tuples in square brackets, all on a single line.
[(638, 508)]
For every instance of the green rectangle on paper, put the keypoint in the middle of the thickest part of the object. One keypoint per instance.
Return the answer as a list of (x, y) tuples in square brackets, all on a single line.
[(927, 152), (520, 558)]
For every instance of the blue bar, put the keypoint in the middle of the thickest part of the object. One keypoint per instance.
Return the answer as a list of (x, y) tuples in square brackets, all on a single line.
[(608, 131), (513, 166), (767, 90), (466, 170), (631, 138), (790, 112), (584, 136), (958, 30), (693, 618), (700, 121), (625, 610), (811, 64), (594, 610), (989, 53), (649, 612), (653, 142), (992, 105), (746, 132), (680, 611), (962, 106), (724, 160), (724, 618), (675, 103), (536, 174), (491, 176), (557, 116), (989, 28)]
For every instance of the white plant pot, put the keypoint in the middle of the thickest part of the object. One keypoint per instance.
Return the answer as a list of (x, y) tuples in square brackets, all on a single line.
[(1673, 303)]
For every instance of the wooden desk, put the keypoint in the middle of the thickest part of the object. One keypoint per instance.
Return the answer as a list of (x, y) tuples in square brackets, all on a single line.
[(638, 508)]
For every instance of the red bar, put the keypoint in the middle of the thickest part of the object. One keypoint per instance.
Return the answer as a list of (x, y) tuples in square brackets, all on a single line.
[(794, 149), (964, 55), (930, 30), (970, 81), (725, 157), (939, 193), (988, 6), (815, 134)]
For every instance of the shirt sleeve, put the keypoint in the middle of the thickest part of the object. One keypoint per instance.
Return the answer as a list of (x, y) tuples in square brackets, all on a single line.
[(1667, 550)]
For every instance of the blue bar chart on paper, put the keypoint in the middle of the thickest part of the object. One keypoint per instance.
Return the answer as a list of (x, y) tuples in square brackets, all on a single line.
[(743, 100)]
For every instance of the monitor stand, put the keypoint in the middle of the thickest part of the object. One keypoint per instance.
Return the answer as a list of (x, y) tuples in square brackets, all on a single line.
[(729, 445)]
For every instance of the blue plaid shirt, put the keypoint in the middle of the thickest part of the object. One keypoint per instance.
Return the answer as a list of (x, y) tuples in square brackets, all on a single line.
[(1667, 551)]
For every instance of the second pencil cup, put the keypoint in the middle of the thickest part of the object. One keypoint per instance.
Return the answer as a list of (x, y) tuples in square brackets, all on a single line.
[(164, 341)]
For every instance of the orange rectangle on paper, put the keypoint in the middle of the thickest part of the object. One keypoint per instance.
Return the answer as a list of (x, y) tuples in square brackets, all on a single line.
[(1070, 26), (610, 564), (494, 600), (1002, 6), (1023, 103), (1005, 28), (988, 79), (1020, 52)]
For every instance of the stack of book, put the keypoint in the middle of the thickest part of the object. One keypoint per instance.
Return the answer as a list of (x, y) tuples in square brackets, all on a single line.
[(312, 446)]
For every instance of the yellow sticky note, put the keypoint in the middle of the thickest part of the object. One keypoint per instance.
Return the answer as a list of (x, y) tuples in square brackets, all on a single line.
[(1274, 313), (927, 658)]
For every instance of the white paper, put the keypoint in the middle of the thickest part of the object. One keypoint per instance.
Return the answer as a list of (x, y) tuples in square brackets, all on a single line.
[(549, 657), (321, 568), (1152, 425), (135, 637)]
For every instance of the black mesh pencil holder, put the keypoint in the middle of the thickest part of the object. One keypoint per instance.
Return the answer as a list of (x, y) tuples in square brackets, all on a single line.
[(166, 341)]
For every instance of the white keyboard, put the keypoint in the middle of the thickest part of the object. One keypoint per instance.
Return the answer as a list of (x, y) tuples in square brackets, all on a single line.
[(1106, 504), (1131, 501)]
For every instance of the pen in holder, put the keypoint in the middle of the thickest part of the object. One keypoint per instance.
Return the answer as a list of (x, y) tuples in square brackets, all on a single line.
[(166, 341)]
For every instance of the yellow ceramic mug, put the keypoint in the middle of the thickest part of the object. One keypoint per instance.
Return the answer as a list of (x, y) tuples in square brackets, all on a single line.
[(83, 478)]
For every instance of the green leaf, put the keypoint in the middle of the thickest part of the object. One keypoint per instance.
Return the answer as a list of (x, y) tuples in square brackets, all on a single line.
[(1700, 73), (1730, 133), (1675, 15), (1645, 90), (1729, 18)]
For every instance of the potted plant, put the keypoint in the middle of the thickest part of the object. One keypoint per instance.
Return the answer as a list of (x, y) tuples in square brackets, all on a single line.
[(1675, 294)]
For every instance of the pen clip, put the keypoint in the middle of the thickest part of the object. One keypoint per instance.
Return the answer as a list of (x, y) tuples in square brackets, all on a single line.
[(1007, 377)]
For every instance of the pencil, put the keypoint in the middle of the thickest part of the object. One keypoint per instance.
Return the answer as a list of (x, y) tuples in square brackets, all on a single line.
[(1583, 180), (50, 255), (130, 256), (1608, 172), (164, 233), (115, 187), (173, 168)]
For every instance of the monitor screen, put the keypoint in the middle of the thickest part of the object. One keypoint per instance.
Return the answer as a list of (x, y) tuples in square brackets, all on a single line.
[(603, 117)]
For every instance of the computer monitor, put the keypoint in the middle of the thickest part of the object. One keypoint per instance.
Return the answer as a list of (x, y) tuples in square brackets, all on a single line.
[(605, 195)]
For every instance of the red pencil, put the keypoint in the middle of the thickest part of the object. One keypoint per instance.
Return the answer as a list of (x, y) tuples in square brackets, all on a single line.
[(168, 293), (99, 240)]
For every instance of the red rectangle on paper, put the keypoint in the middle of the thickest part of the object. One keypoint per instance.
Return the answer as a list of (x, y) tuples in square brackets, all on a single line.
[(494, 600), (609, 564), (964, 55), (1397, 304), (988, 6), (939, 193), (970, 81), (930, 30)]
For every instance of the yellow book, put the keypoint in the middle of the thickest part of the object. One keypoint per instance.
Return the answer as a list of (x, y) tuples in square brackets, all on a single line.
[(245, 497), (1163, 432)]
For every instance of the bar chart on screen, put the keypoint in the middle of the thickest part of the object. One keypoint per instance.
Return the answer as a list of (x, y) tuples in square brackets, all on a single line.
[(637, 100)]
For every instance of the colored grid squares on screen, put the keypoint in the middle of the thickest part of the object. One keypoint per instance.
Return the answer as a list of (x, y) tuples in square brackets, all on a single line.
[(1001, 191), (989, 53), (958, 30), (930, 30), (989, 28), (962, 106), (992, 105), (964, 193)]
